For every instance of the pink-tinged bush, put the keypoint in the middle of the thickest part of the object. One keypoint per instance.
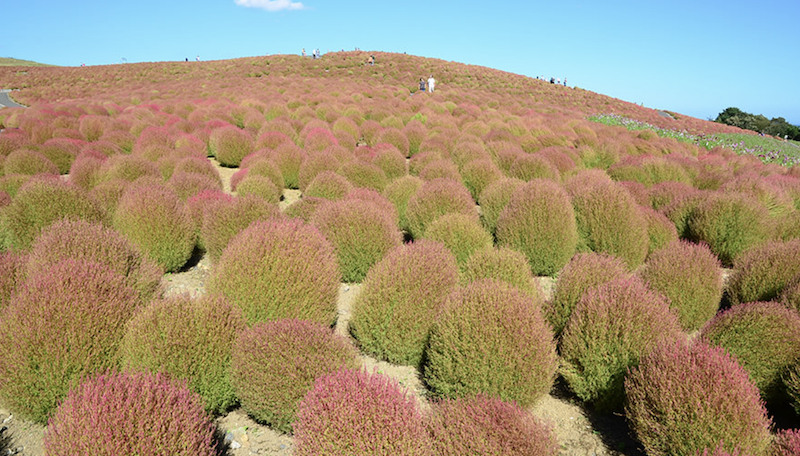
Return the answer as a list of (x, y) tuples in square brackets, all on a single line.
[(354, 413), (12, 275), (790, 296), (609, 220), (62, 152), (131, 413), (638, 191), (494, 198), (399, 192), (487, 425), (489, 338), (394, 137), (478, 174), (318, 139), (93, 242), (41, 202), (85, 171), (186, 185), (315, 165), (689, 276), (329, 185), (786, 443), (685, 398), (364, 175), (266, 168), (539, 222), (362, 233), (760, 273), (275, 364), (415, 133), (197, 165), (504, 264), (434, 199), (11, 183), (441, 168), (67, 323), (271, 140), (660, 230), (583, 272), (400, 298), (279, 269), (108, 193), (154, 219), (665, 193), (12, 140), (289, 159), (28, 162), (371, 196), (609, 331), (222, 222), (460, 233), (391, 161), (764, 337), (419, 161), (304, 208), (261, 187), (199, 204), (127, 167), (533, 166), (230, 145), (468, 150), (187, 339), (729, 223), (791, 384), (770, 194)]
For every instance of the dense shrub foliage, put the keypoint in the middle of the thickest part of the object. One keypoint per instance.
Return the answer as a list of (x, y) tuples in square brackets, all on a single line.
[(399, 192), (276, 363), (328, 185), (786, 443), (12, 275), (494, 198), (67, 323), (223, 221), (761, 273), (462, 234), (485, 425), (230, 145), (685, 398), (279, 269), (489, 338), (401, 296), (352, 412), (434, 199), (131, 413)]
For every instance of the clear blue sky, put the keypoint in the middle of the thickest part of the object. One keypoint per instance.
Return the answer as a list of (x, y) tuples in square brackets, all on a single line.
[(695, 57)]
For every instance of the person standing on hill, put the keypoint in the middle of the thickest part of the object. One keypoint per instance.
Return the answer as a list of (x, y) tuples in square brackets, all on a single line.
[(431, 84), (421, 84)]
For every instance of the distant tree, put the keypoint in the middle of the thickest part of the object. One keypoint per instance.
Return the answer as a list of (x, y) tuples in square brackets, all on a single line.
[(777, 126)]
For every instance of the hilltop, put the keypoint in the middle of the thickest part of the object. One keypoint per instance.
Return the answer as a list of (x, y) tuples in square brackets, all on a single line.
[(8, 61)]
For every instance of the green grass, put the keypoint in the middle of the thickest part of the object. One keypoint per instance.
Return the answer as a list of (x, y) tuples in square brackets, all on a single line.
[(8, 61)]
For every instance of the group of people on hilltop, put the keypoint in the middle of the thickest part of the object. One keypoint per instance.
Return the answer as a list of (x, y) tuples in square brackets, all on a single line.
[(315, 54), (431, 84), (556, 81)]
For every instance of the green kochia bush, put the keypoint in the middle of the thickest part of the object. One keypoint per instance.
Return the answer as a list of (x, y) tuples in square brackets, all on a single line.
[(189, 339), (12, 275), (67, 323), (434, 199), (361, 233), (761, 273), (683, 399), (261, 187), (328, 185), (131, 413), (28, 162), (399, 192), (490, 338), (354, 413), (611, 328), (582, 272), (764, 337), (223, 221), (494, 198), (689, 275), (230, 145), (486, 425), (154, 219), (275, 365), (401, 296), (539, 221), (279, 269), (462, 234), (791, 383), (502, 264)]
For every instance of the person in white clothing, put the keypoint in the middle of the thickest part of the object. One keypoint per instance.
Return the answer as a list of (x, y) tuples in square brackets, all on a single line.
[(431, 84)]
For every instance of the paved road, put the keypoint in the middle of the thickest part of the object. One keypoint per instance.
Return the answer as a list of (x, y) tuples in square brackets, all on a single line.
[(6, 102)]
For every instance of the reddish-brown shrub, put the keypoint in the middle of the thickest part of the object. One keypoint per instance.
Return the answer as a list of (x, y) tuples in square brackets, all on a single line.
[(279, 269), (318, 139), (490, 339), (494, 198), (393, 136), (352, 412), (440, 169), (760, 273), (223, 221), (131, 413), (230, 145), (685, 398), (315, 165), (611, 328), (401, 296), (786, 443), (67, 323), (28, 162), (665, 193), (186, 185), (85, 171), (434, 199), (485, 425), (275, 364)]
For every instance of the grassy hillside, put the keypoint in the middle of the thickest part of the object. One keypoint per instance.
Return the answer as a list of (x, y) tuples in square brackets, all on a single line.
[(8, 61)]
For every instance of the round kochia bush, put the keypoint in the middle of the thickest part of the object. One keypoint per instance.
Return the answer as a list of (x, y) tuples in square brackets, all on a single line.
[(154, 219), (462, 234), (131, 413), (82, 240), (494, 198), (486, 425), (399, 300), (584, 271), (611, 328), (689, 276), (12, 275), (683, 399), (223, 221), (434, 199), (275, 364), (328, 185), (67, 323), (539, 222), (29, 162), (762, 272), (791, 383), (354, 413), (503, 264), (764, 337), (190, 339), (786, 443), (361, 233), (279, 269), (230, 145), (399, 192), (489, 338)]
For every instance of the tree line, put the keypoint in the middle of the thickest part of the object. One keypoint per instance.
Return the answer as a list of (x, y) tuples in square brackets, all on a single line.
[(777, 126)]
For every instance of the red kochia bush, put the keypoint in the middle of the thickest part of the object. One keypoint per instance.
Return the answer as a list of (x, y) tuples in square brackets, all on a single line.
[(279, 269), (489, 338), (131, 413), (611, 328), (486, 425), (400, 298), (434, 199), (354, 413), (689, 275), (539, 222), (683, 399), (275, 364), (67, 323), (761, 273), (786, 443)]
